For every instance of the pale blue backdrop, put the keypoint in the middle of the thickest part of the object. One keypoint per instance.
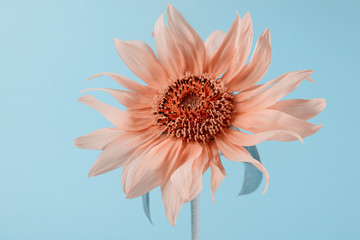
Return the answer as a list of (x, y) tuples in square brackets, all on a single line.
[(48, 49)]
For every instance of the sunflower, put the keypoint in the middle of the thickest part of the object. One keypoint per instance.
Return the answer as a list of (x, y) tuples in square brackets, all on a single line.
[(199, 99)]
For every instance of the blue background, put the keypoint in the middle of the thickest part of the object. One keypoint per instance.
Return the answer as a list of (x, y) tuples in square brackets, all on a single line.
[(48, 49)]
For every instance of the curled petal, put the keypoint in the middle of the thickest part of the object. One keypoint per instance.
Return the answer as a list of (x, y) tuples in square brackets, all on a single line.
[(113, 114), (125, 82), (242, 50), (217, 169), (213, 42), (98, 139), (244, 139), (139, 111), (190, 40), (270, 120), (251, 91), (135, 160), (119, 118), (234, 152), (141, 60), (300, 108), (283, 85), (217, 175), (150, 168), (170, 55), (257, 67), (185, 182), (173, 201), (118, 152), (223, 57), (127, 98), (188, 177)]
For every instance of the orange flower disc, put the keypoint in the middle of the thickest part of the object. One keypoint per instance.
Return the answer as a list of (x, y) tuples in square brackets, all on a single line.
[(195, 108)]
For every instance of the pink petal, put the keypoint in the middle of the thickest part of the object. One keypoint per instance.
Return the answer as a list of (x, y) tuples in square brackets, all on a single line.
[(216, 178), (135, 160), (283, 86), (244, 139), (142, 61), (235, 152), (251, 91), (121, 119), (190, 40), (257, 67), (300, 108), (98, 139), (113, 114), (213, 42), (127, 98), (167, 47), (186, 182), (173, 201), (118, 152), (125, 82), (187, 179), (269, 120), (139, 111), (200, 165), (223, 57), (150, 169), (190, 151), (242, 50), (217, 169)]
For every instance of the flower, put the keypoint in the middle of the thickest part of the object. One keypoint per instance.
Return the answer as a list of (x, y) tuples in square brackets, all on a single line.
[(195, 92)]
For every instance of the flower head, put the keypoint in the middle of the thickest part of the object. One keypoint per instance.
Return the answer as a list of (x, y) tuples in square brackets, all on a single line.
[(176, 124)]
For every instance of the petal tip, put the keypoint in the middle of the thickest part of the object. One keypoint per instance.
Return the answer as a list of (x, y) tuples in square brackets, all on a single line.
[(130, 193), (118, 43), (172, 220), (267, 34), (76, 143), (213, 199), (84, 90), (85, 98), (95, 76), (267, 182), (247, 15), (91, 174), (323, 103), (170, 8), (92, 77), (266, 187)]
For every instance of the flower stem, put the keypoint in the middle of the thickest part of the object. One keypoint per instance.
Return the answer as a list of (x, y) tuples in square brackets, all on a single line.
[(195, 218)]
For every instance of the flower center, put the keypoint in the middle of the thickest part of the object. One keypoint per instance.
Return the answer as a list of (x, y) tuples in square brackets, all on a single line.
[(190, 99), (195, 108)]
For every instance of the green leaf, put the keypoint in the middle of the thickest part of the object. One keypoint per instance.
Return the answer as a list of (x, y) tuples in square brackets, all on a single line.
[(146, 205), (252, 175)]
